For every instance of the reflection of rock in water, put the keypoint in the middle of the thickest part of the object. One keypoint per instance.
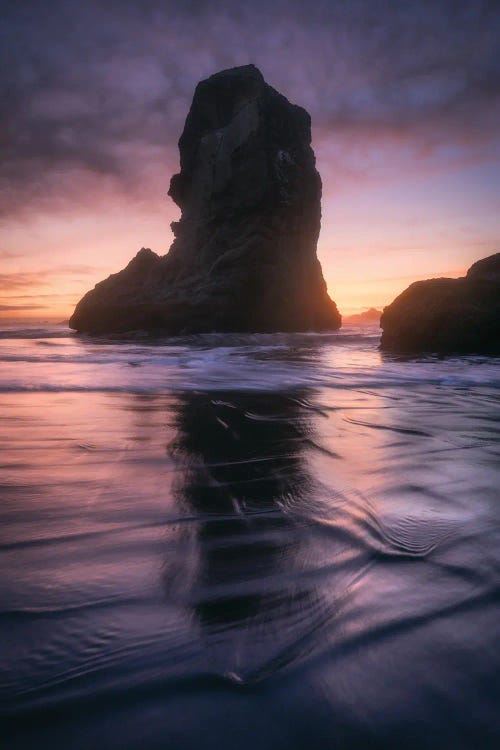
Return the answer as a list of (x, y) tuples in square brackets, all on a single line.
[(244, 468)]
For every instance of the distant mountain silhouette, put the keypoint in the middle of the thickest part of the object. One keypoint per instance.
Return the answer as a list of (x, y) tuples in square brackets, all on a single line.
[(369, 316)]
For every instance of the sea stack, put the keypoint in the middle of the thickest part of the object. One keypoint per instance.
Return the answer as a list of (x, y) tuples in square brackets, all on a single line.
[(244, 255), (447, 315)]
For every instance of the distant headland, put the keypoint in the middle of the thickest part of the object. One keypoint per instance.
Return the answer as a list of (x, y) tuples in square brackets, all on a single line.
[(367, 317)]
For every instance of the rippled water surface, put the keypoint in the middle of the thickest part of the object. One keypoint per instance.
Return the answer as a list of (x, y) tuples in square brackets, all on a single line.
[(274, 541)]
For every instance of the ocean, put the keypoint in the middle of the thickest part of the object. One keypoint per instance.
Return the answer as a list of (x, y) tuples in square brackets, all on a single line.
[(235, 541)]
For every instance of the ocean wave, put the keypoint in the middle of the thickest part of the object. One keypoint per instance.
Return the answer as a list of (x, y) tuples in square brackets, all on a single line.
[(224, 361), (250, 382)]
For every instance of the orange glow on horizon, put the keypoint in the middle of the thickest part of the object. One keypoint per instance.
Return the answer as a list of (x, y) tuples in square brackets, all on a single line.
[(350, 295), (374, 242)]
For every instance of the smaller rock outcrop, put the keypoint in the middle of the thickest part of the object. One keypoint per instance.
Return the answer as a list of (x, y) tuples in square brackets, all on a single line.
[(447, 315)]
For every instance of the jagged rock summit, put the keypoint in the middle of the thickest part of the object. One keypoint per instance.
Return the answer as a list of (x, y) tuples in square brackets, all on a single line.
[(244, 254), (447, 315)]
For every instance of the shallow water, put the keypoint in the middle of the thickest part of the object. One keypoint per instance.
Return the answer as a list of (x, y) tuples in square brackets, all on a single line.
[(273, 541)]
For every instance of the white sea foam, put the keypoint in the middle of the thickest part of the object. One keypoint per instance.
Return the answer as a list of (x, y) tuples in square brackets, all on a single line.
[(44, 360)]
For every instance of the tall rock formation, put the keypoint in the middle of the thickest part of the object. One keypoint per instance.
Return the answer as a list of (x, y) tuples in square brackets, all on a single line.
[(244, 254), (447, 315)]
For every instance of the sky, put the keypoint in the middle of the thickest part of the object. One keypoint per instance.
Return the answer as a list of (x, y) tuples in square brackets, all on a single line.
[(404, 97)]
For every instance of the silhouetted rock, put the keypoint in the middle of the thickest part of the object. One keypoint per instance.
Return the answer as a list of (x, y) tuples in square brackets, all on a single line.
[(486, 269), (244, 254), (447, 315)]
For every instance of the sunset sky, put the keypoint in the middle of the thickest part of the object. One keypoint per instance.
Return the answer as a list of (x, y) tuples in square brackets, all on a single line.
[(404, 99)]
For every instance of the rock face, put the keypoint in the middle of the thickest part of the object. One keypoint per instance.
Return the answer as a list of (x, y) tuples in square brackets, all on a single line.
[(447, 315), (244, 254)]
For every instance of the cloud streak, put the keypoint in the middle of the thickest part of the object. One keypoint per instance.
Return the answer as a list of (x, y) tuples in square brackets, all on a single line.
[(16, 308), (12, 282)]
